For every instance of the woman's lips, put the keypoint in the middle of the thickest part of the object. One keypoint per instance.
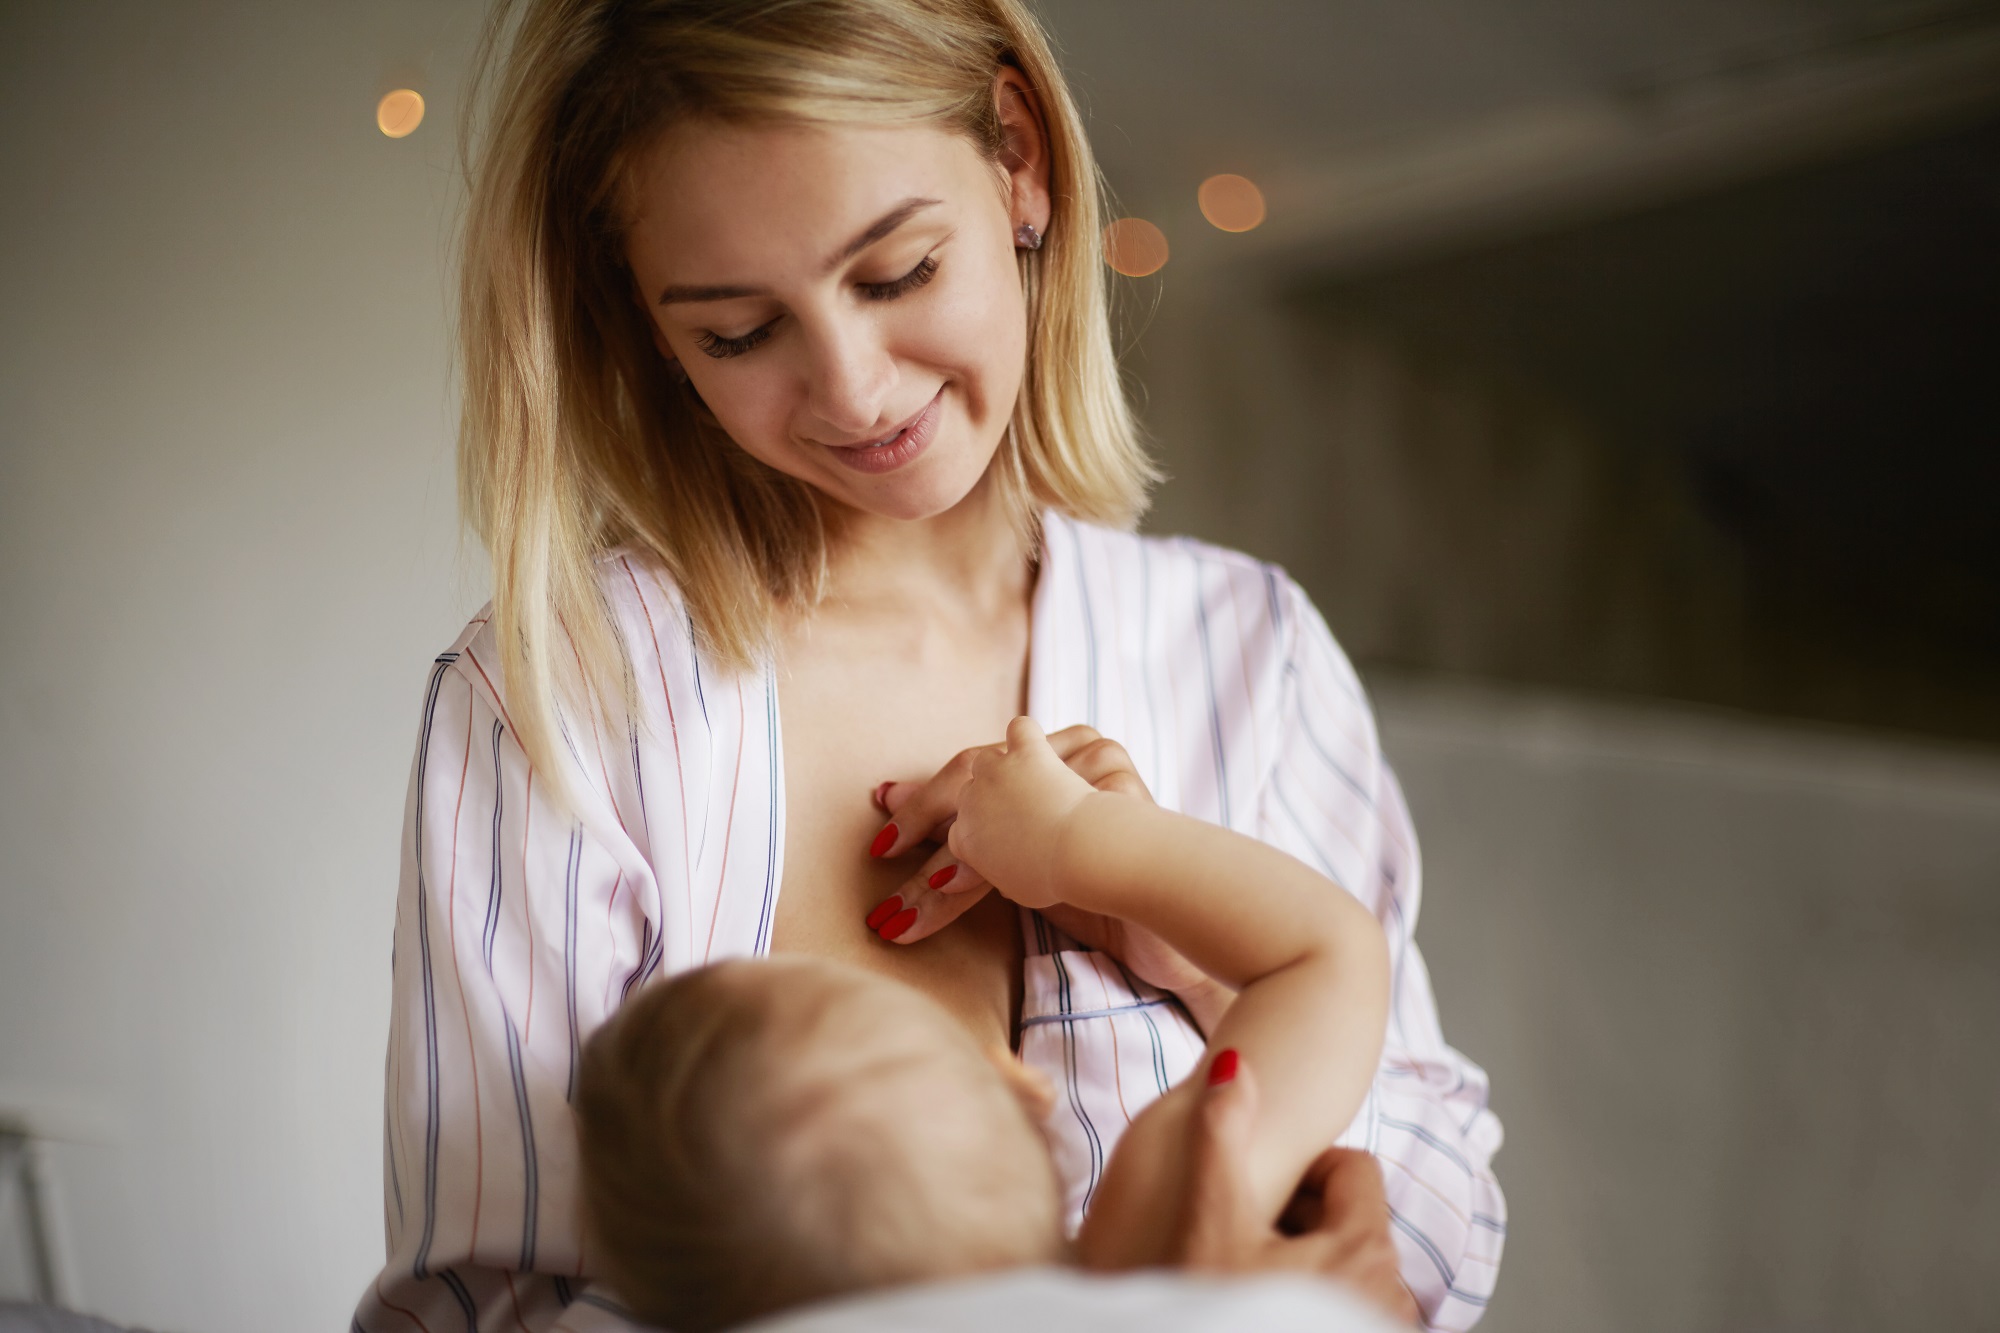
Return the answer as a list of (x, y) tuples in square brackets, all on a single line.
[(902, 447)]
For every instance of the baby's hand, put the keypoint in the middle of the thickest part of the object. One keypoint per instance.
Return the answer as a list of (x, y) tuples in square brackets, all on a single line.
[(1012, 813)]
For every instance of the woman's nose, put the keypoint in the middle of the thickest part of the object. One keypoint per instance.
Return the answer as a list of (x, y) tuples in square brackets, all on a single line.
[(851, 378)]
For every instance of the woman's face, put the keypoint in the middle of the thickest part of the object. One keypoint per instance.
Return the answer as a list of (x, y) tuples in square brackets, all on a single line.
[(844, 298)]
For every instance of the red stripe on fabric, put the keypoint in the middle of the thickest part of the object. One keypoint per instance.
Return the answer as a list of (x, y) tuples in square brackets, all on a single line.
[(410, 1315), (458, 976), (490, 687), (735, 785), (611, 935), (515, 1297), (673, 727), (1429, 1189), (597, 739)]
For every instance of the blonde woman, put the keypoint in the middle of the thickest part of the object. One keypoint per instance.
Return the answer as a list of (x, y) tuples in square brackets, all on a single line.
[(793, 428)]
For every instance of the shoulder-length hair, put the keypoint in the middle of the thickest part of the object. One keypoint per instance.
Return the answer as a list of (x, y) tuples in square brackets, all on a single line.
[(575, 438)]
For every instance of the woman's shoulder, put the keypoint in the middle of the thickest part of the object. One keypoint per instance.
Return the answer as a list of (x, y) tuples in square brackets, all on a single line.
[(648, 616), (1184, 577)]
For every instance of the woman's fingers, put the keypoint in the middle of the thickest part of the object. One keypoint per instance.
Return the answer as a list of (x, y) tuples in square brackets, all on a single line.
[(922, 811), (944, 890), (919, 810)]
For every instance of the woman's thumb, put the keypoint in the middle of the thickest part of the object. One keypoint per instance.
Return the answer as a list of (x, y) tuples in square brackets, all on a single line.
[(1219, 1219)]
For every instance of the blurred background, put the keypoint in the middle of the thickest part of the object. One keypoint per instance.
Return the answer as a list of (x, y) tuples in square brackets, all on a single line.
[(1619, 377)]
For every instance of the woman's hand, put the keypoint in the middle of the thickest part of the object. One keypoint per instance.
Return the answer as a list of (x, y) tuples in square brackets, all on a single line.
[(945, 888), (1337, 1224)]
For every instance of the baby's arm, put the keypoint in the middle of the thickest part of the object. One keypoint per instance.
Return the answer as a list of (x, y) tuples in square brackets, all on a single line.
[(1309, 962)]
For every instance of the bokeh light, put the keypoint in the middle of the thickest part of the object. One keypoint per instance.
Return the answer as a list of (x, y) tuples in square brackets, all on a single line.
[(1231, 202), (399, 113), (1135, 247)]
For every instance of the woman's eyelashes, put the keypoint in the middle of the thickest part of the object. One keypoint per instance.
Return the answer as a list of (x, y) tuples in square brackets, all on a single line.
[(925, 270), (720, 347)]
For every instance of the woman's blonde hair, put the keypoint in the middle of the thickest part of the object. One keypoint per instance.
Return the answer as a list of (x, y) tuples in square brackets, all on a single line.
[(576, 438)]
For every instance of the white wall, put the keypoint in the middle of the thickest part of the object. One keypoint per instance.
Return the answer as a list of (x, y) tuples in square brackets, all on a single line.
[(1736, 986), (227, 553)]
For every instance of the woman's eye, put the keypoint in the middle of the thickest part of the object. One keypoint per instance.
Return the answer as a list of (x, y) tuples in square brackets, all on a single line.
[(721, 348), (915, 278)]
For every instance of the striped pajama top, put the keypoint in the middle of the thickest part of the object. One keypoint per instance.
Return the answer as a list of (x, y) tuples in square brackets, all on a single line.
[(520, 928)]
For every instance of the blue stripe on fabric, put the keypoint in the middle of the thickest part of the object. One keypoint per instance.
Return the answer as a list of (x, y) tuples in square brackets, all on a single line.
[(766, 916), (493, 887), (1313, 741), (1214, 703), (1069, 1077), (1493, 1224), (395, 1178), (564, 1294), (465, 1302), (572, 868), (1404, 1225), (1420, 1132), (1081, 1014), (1285, 804), (1159, 1049), (1159, 762), (604, 1303), (694, 661), (421, 1266), (645, 958), (1159, 1052), (530, 1160)]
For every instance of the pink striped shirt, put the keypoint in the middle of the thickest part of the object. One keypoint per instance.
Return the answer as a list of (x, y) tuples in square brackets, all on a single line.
[(520, 929)]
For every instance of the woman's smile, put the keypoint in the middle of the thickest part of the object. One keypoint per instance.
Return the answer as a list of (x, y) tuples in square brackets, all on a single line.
[(902, 446)]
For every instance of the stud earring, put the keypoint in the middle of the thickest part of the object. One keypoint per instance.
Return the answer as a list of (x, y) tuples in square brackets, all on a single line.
[(1026, 237)]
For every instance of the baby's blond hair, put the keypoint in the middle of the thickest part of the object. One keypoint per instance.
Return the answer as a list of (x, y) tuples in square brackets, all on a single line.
[(749, 1143)]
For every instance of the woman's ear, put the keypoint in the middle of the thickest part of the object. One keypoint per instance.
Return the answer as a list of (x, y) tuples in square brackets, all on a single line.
[(1031, 1086), (1024, 148)]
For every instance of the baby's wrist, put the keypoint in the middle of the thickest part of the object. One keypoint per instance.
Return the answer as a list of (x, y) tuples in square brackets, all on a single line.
[(1082, 866)]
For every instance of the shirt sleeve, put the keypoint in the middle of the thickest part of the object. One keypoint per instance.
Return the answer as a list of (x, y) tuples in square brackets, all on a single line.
[(518, 930), (1331, 800)]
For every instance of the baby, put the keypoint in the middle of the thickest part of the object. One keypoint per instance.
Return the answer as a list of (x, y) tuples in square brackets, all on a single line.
[(763, 1133)]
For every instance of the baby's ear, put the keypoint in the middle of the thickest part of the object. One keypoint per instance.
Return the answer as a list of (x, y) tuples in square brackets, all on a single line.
[(1032, 1086)]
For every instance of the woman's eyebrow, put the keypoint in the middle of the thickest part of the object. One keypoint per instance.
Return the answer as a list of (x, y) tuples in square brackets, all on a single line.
[(875, 231), (881, 227)]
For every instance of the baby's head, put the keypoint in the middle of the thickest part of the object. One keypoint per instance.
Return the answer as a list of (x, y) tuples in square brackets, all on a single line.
[(762, 1133)]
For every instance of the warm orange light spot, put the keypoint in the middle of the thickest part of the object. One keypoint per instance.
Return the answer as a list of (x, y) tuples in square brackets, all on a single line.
[(400, 112), (1231, 202), (1135, 247)]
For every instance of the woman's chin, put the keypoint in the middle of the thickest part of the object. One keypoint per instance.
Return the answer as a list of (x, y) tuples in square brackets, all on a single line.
[(920, 492)]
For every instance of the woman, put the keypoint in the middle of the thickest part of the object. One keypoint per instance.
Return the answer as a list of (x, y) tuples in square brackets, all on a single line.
[(790, 395)]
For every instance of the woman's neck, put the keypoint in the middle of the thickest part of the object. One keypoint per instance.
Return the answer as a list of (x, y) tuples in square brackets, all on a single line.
[(970, 559)]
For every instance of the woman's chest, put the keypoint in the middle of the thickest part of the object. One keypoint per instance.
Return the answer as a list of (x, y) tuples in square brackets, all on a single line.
[(851, 721)]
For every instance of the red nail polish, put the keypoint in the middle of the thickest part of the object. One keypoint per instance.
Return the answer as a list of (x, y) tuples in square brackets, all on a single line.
[(898, 923), (882, 797), (944, 877), (885, 909), (1223, 1068), (883, 841)]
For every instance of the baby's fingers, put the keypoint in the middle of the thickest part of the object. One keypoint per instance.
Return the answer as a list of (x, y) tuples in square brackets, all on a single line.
[(943, 891)]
